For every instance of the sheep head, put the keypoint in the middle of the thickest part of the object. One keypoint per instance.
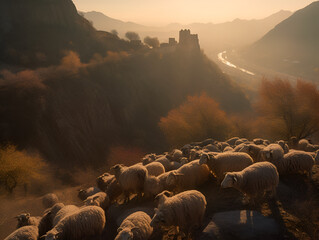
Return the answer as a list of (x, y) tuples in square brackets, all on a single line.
[(204, 158), (23, 219), (52, 235), (161, 197), (158, 219), (172, 178), (124, 234), (230, 180)]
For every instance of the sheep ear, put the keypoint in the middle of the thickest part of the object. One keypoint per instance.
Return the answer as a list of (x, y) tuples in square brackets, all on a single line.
[(235, 179), (119, 229), (96, 197)]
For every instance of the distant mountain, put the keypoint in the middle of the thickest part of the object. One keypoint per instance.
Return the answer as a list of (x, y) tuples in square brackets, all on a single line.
[(292, 46), (213, 37), (38, 32)]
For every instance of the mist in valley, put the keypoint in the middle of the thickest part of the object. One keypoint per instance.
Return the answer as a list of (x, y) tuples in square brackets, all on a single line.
[(123, 116)]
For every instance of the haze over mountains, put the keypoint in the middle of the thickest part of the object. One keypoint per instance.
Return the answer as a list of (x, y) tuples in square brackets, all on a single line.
[(214, 37), (292, 46)]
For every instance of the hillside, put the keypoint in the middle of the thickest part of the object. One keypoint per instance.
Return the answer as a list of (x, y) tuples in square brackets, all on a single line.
[(214, 37), (73, 109), (292, 46), (36, 32)]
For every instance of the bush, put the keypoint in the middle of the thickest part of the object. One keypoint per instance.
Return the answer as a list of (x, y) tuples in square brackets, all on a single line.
[(198, 118), (288, 110), (18, 168)]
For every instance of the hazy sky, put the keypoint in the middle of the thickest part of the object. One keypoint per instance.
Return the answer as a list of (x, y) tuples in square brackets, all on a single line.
[(159, 12)]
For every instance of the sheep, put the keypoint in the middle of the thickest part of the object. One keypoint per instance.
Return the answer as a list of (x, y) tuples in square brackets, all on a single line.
[(232, 141), (284, 146), (293, 143), (148, 158), (186, 150), (306, 146), (184, 210), (226, 162), (135, 226), (46, 222), (155, 168), (155, 185), (175, 155), (254, 180), (131, 179), (100, 199), (194, 154), (163, 160), (271, 153), (84, 193), (223, 145), (211, 148), (295, 162), (86, 222), (104, 180), (66, 210), (24, 233), (254, 151), (114, 191), (188, 176), (228, 149), (25, 219), (49, 200), (258, 141)]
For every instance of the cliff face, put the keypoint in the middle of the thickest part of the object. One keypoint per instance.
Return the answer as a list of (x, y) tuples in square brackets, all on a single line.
[(20, 14), (37, 33)]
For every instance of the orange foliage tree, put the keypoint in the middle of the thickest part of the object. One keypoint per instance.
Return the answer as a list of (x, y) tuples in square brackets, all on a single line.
[(197, 119), (289, 110)]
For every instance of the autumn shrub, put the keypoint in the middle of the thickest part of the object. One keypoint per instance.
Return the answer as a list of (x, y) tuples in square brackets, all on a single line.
[(200, 117), (286, 109), (17, 168)]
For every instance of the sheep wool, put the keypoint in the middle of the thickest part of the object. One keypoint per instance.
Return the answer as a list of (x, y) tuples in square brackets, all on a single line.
[(295, 162), (226, 162), (24, 233), (188, 176), (49, 200), (185, 210), (254, 180), (131, 179), (135, 226), (86, 222), (155, 168), (25, 219)]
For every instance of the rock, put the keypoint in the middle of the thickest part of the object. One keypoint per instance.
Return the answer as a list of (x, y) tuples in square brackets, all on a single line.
[(244, 224)]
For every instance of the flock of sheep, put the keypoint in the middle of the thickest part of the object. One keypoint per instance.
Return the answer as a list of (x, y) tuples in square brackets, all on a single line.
[(169, 182)]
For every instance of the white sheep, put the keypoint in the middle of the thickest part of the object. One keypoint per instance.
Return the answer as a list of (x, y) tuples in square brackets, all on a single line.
[(254, 180), (85, 193), (114, 191), (135, 226), (211, 148), (184, 210), (284, 146), (155, 185), (271, 153), (104, 180), (188, 176), (258, 141), (131, 179), (306, 146), (86, 222), (49, 200), (232, 141), (24, 233), (155, 168), (25, 219), (100, 199), (228, 149), (66, 210), (46, 222), (164, 161), (175, 155), (226, 162), (295, 162)]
